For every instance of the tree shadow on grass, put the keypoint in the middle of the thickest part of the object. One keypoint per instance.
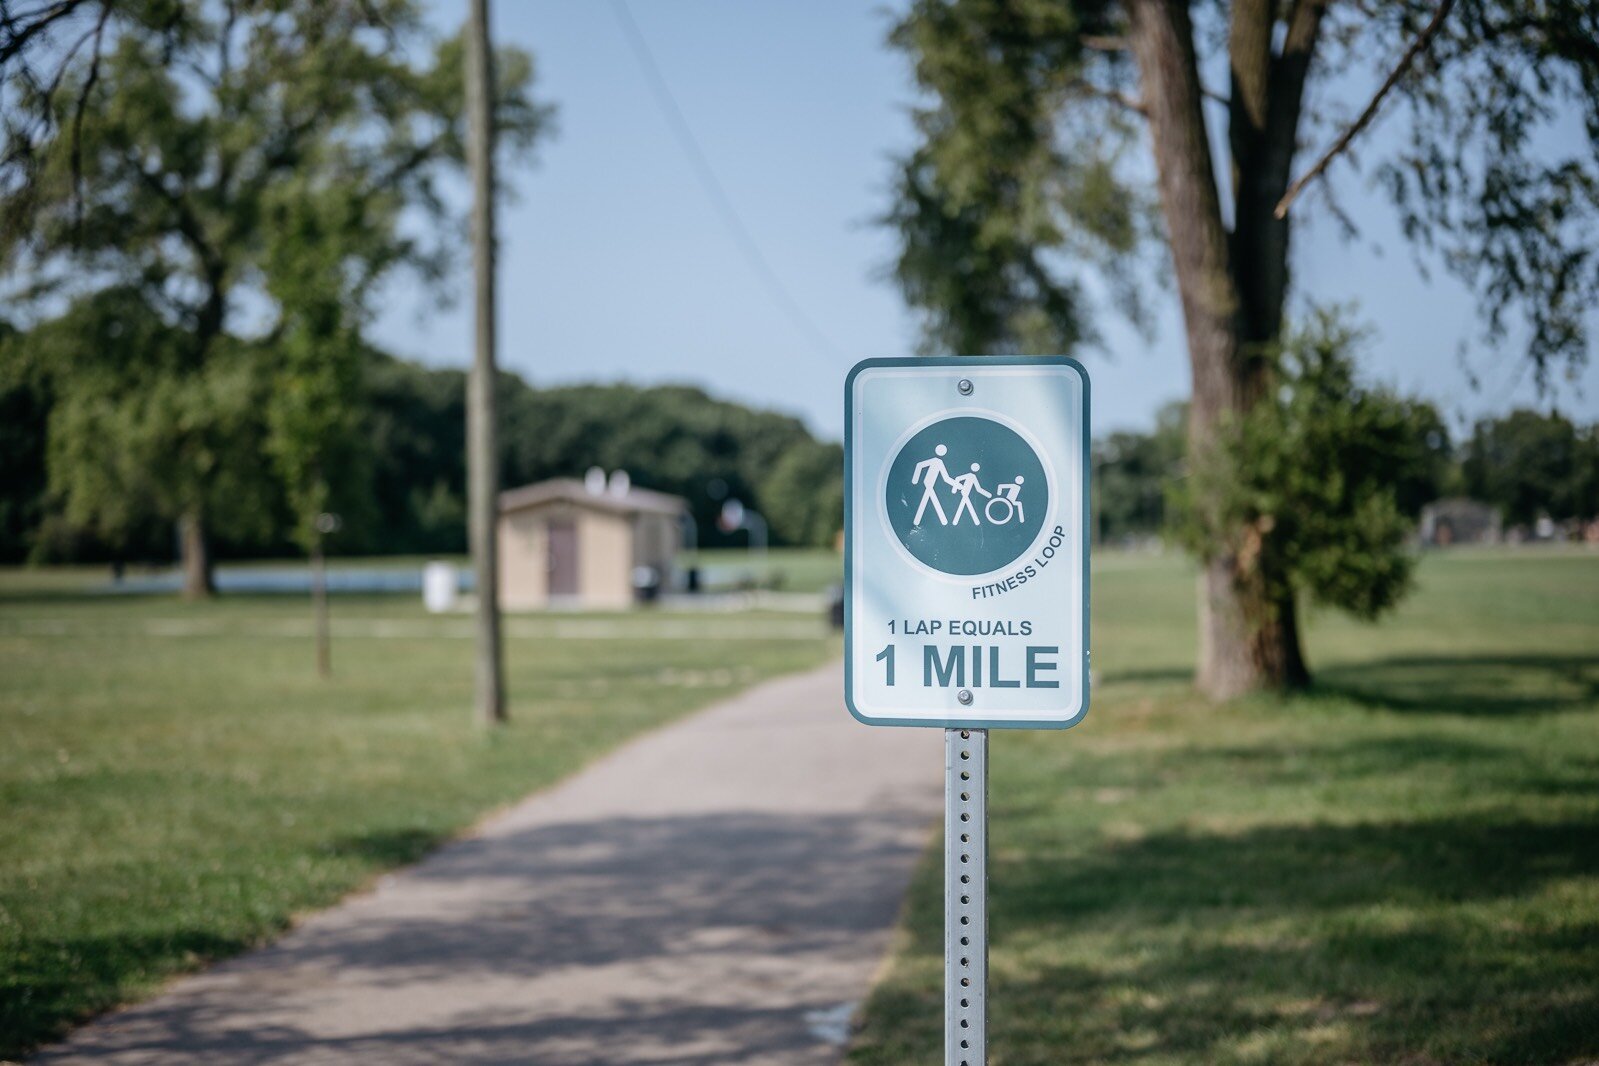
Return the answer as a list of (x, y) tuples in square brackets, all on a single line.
[(1298, 870), (1438, 684), (1501, 768), (1468, 685), (54, 983), (1152, 675), (1394, 937), (1423, 997), (389, 848)]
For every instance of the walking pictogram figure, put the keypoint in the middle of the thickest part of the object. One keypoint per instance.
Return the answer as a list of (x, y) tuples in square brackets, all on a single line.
[(964, 485), (928, 473)]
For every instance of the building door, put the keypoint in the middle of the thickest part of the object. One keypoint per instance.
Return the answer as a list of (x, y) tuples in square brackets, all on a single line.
[(562, 540)]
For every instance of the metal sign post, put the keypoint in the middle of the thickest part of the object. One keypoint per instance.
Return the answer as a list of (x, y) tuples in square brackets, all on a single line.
[(966, 592), (965, 897)]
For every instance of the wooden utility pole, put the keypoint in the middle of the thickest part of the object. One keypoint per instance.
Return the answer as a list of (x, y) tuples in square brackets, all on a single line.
[(319, 607), (482, 462), (323, 526)]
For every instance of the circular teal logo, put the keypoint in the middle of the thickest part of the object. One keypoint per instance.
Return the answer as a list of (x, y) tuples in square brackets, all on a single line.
[(966, 495)]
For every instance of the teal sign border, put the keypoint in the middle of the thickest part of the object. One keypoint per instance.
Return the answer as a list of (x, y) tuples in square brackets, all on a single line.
[(977, 363)]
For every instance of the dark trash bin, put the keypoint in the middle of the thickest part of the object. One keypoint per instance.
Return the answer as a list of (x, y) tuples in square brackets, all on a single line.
[(646, 584)]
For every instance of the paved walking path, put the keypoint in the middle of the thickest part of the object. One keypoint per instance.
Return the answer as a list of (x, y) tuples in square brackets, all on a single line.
[(718, 891)]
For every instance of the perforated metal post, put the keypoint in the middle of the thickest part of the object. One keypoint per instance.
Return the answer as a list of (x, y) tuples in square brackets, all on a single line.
[(965, 897)]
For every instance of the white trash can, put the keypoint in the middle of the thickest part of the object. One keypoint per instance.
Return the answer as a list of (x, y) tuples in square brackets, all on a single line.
[(438, 587)]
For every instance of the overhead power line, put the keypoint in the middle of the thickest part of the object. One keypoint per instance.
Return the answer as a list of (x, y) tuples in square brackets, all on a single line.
[(713, 186)]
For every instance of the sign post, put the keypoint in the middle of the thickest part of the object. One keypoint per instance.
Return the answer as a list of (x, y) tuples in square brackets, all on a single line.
[(966, 592), (965, 896)]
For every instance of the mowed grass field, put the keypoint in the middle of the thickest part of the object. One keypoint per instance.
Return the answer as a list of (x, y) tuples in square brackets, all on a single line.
[(784, 569), (176, 784), (1401, 866)]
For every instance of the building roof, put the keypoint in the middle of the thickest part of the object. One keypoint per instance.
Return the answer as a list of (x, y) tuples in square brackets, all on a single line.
[(572, 490)]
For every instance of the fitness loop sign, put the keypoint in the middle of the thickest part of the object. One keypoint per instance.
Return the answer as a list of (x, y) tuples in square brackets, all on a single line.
[(966, 495)]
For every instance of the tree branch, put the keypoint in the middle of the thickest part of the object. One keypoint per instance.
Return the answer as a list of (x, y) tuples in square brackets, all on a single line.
[(188, 223), (89, 82), (15, 32), (1417, 47), (1102, 43), (1115, 96), (48, 93)]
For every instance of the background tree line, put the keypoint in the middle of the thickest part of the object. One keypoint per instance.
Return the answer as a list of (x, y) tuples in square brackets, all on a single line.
[(408, 451), (1526, 465), (410, 498)]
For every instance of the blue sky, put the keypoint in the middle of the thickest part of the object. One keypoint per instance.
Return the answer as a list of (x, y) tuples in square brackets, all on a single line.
[(615, 264)]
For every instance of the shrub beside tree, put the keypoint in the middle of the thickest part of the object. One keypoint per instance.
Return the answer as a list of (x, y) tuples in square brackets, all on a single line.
[(1318, 485)]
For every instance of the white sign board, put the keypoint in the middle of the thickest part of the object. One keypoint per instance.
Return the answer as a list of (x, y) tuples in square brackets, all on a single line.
[(966, 542)]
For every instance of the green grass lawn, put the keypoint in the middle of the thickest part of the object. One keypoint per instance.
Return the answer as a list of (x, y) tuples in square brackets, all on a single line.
[(176, 784), (789, 569), (1399, 867)]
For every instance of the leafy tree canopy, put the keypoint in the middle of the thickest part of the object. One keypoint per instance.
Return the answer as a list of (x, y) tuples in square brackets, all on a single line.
[(242, 175), (1009, 183), (132, 439), (1021, 181), (1032, 121)]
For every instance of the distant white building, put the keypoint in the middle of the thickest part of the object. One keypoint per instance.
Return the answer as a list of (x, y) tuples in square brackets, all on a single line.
[(565, 542)]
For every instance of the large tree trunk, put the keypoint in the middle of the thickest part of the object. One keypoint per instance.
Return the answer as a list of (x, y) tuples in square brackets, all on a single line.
[(196, 557), (482, 451), (1295, 671), (1264, 105), (1232, 287)]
